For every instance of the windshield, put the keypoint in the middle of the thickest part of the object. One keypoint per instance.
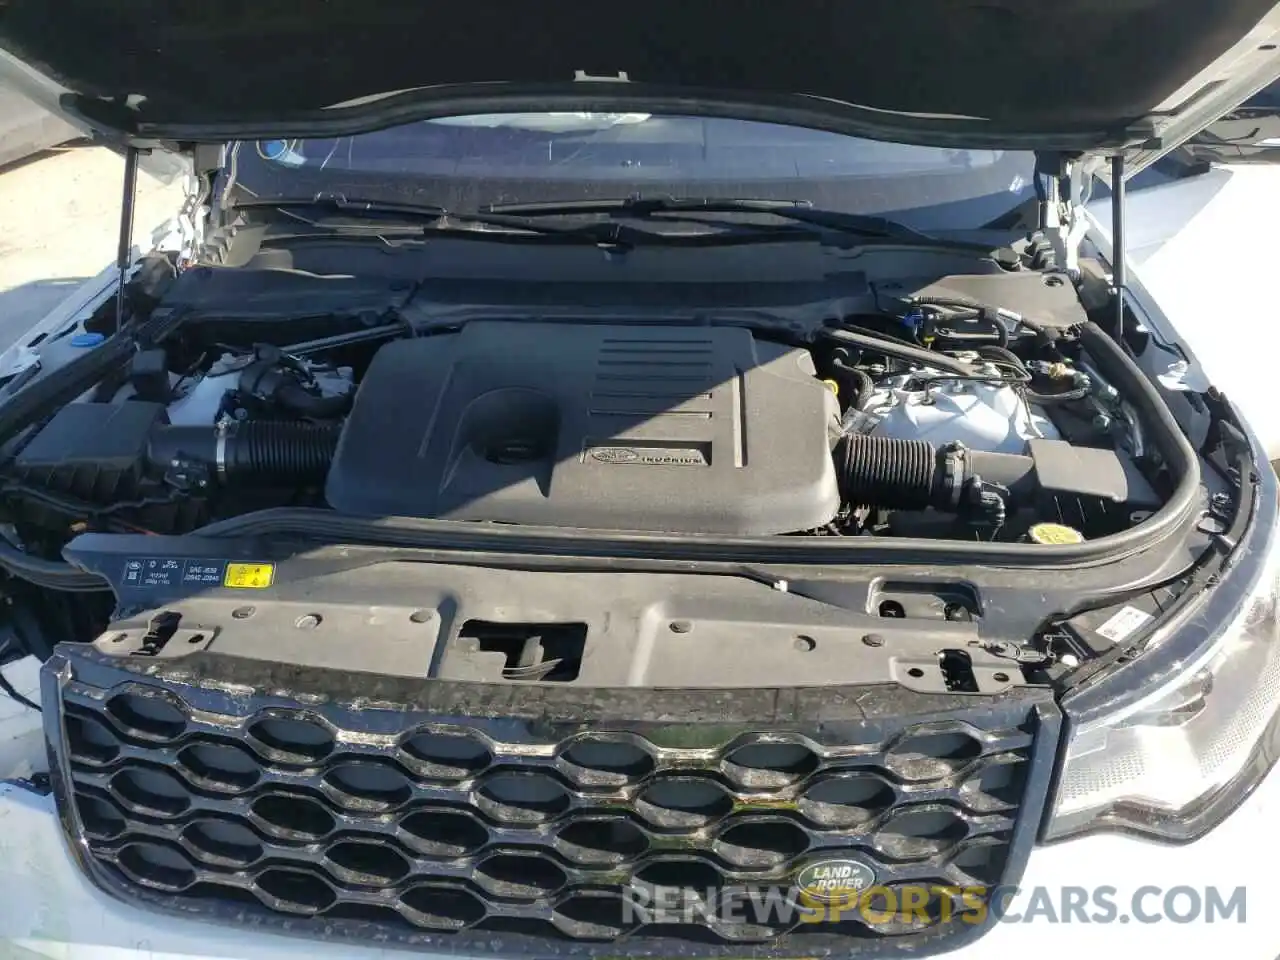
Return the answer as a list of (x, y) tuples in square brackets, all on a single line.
[(466, 162)]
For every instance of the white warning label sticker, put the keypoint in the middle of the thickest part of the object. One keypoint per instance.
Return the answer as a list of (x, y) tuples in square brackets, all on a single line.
[(1120, 626)]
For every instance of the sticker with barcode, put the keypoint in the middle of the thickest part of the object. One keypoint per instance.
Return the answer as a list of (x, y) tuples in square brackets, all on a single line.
[(1120, 626)]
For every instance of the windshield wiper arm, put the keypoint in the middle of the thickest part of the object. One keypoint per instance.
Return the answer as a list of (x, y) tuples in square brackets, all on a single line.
[(799, 211), (432, 214), (641, 206), (340, 203)]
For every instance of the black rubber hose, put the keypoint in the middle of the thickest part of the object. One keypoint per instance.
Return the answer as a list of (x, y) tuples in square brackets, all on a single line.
[(293, 397), (858, 383), (262, 449), (1031, 396), (1045, 399), (266, 448), (1002, 354), (1002, 333), (865, 340), (913, 474), (1119, 368), (1047, 335), (53, 574), (956, 340), (999, 333), (886, 472)]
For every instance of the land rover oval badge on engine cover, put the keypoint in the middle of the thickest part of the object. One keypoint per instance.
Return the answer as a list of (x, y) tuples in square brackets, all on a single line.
[(615, 455), (839, 878)]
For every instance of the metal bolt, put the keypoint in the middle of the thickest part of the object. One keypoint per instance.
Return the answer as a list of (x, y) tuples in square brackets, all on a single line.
[(1101, 422), (805, 644), (308, 621), (243, 613), (873, 640), (680, 626), (420, 616)]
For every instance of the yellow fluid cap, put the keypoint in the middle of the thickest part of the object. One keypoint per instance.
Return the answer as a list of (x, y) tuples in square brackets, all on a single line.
[(1054, 533), (833, 386)]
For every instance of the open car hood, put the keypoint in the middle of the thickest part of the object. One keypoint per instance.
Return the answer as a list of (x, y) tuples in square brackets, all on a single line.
[(1053, 75)]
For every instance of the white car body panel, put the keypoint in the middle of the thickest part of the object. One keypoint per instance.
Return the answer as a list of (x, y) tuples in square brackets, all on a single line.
[(1206, 250)]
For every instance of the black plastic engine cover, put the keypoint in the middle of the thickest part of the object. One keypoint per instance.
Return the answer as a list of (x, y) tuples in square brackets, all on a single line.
[(686, 429)]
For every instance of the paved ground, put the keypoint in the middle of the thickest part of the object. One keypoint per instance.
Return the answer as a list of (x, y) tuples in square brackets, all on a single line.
[(59, 218)]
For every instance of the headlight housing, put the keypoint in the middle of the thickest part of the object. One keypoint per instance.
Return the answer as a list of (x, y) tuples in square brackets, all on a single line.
[(1185, 746)]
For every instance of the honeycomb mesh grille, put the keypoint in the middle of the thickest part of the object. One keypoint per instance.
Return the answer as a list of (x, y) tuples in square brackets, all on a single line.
[(512, 831)]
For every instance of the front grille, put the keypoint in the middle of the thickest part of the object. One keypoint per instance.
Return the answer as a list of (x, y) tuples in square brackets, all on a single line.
[(515, 820)]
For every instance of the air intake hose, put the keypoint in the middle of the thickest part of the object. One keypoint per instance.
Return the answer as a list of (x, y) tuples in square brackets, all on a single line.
[(261, 449), (913, 474)]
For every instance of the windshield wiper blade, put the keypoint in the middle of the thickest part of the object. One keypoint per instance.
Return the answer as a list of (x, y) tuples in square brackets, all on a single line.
[(340, 203), (640, 206), (332, 203), (439, 218), (799, 211)]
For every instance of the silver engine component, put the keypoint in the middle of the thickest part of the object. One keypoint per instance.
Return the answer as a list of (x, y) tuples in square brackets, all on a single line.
[(982, 416), (200, 404)]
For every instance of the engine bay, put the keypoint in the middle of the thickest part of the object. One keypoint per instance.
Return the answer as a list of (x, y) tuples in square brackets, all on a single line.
[(926, 414)]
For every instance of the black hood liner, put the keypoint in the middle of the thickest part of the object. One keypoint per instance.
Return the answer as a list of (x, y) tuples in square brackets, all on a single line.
[(1024, 65)]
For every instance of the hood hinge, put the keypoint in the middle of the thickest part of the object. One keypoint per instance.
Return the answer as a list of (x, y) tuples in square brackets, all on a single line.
[(207, 160), (1063, 184), (183, 234), (192, 217)]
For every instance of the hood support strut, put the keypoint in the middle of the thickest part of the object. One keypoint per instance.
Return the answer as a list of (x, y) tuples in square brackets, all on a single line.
[(125, 244), (1119, 276)]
